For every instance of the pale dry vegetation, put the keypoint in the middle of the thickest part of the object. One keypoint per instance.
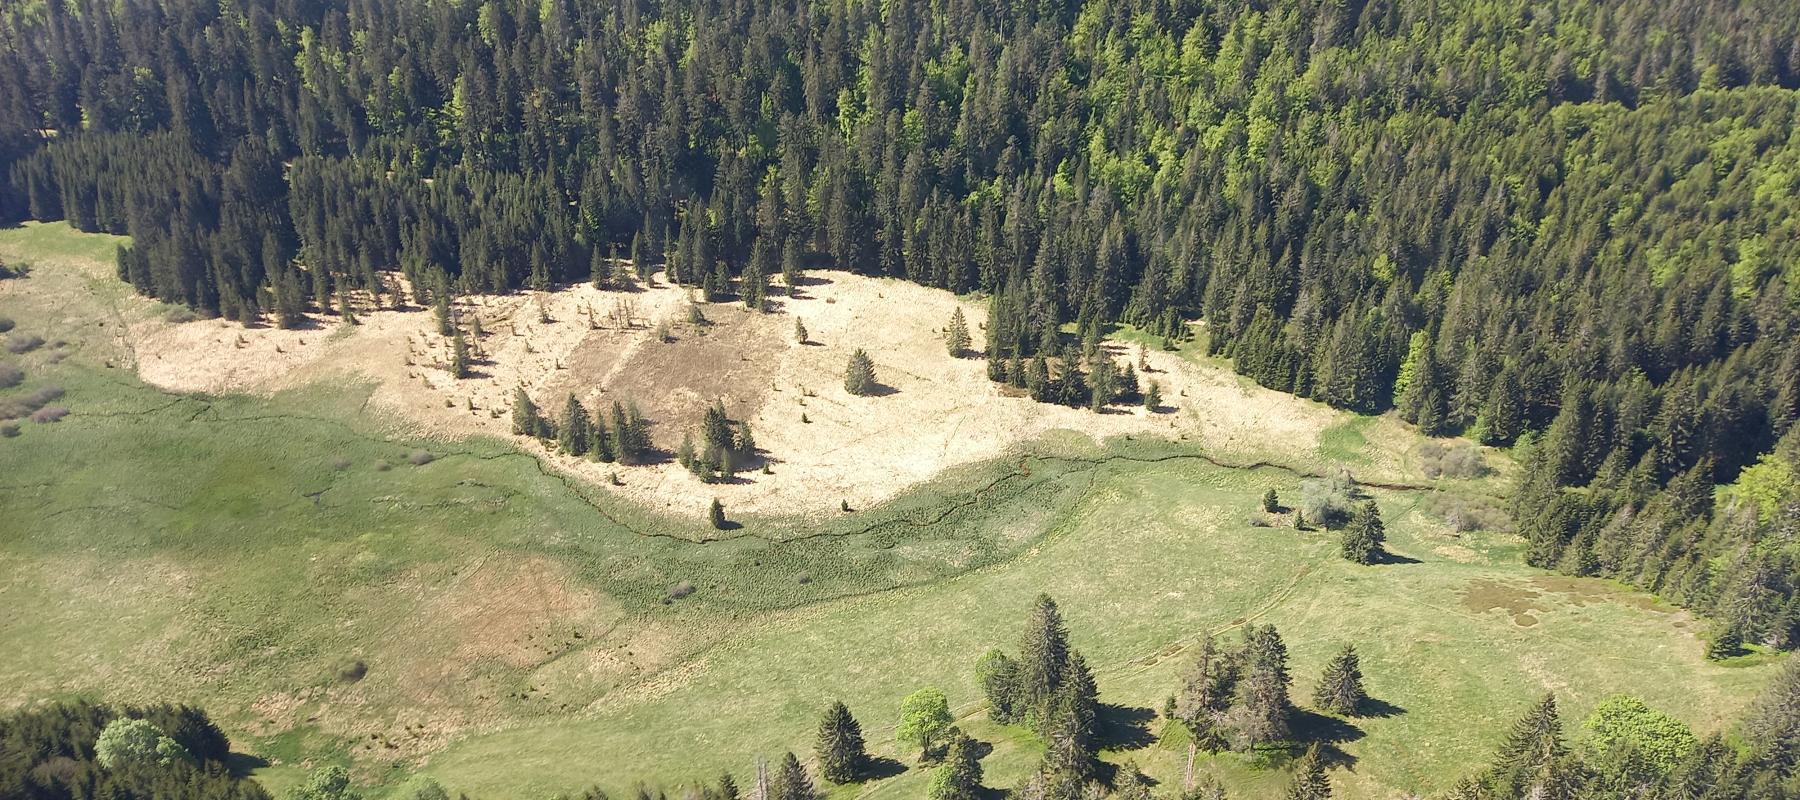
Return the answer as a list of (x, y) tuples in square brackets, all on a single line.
[(824, 448)]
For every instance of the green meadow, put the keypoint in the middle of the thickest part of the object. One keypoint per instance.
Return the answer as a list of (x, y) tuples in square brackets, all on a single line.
[(337, 593)]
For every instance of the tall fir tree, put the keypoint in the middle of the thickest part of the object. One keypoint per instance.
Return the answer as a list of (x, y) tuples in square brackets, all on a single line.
[(838, 746), (1340, 689), (1309, 781)]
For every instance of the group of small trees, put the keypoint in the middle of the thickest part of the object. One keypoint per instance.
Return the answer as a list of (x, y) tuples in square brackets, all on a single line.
[(1071, 379), (622, 436), (1237, 698), (723, 446), (1050, 689)]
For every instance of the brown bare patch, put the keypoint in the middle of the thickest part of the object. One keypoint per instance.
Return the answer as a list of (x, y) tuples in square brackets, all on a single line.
[(1486, 594), (1582, 591)]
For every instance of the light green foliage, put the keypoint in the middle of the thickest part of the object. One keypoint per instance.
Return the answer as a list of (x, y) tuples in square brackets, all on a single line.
[(127, 743), (325, 783), (924, 715), (1623, 725)]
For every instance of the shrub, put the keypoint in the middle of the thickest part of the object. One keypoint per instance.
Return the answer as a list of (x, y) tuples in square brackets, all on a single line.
[(353, 671), (6, 324), (1458, 461), (8, 431), (680, 590), (420, 458), (49, 414), (180, 314), (24, 343), (340, 463), (383, 466), (10, 376), (1326, 501)]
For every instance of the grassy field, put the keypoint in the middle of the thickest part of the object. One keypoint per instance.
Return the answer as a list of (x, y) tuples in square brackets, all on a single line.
[(285, 562)]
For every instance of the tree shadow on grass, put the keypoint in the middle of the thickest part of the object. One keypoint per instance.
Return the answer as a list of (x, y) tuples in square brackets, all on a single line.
[(881, 768), (240, 765), (1385, 557), (1378, 709), (1311, 727), (879, 389), (1123, 727)]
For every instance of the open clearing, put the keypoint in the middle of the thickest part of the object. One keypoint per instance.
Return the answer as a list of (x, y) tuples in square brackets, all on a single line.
[(824, 445), (510, 629)]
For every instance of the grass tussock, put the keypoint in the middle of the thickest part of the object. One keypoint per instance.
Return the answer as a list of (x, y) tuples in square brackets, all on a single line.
[(49, 414), (24, 343), (10, 376), (17, 407)]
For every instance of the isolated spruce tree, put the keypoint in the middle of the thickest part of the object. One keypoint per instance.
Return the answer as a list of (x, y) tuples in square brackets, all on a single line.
[(1261, 709), (686, 455), (1309, 782), (839, 745), (599, 270), (999, 678), (1153, 397), (573, 436), (621, 434), (959, 778), (459, 356), (791, 781), (956, 340), (1271, 502), (524, 414), (1043, 657), (791, 269), (1103, 383), (754, 285), (716, 514), (1206, 696), (1340, 689), (638, 260), (859, 376), (441, 308), (1364, 536), (1069, 725), (1534, 761), (1132, 784), (799, 331), (599, 442)]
